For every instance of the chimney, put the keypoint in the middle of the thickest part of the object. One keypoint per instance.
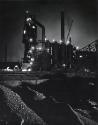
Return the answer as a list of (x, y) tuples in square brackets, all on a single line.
[(62, 27)]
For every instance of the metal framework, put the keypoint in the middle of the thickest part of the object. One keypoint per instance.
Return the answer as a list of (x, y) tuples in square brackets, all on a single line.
[(90, 47), (89, 56)]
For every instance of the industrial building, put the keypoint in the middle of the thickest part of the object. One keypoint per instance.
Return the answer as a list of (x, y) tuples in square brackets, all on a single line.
[(44, 55)]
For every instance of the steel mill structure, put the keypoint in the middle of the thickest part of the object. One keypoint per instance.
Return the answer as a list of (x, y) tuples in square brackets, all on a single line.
[(40, 54), (43, 54)]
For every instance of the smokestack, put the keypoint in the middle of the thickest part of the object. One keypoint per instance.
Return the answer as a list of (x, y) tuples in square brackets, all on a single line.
[(62, 27)]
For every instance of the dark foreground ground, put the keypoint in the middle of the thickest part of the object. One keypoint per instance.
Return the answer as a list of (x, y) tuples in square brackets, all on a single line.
[(58, 101)]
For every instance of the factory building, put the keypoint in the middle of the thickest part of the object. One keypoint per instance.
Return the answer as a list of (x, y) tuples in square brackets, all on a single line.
[(43, 54)]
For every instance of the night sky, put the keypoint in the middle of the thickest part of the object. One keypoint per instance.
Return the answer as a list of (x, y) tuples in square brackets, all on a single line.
[(83, 12)]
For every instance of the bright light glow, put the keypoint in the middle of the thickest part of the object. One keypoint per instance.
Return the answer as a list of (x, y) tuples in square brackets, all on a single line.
[(30, 51), (32, 47), (30, 39), (16, 66), (80, 56), (93, 103), (32, 59), (53, 40), (31, 63), (48, 50), (33, 27), (29, 70), (39, 48), (27, 11), (91, 83), (28, 56), (77, 47), (28, 19), (24, 31), (60, 41), (24, 70), (63, 65), (45, 39), (8, 69), (86, 70), (68, 42)]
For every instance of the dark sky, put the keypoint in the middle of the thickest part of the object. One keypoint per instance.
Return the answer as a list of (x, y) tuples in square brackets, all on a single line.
[(83, 12)]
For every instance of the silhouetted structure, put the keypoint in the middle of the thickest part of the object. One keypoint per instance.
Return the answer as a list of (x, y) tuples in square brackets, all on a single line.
[(62, 27), (45, 55)]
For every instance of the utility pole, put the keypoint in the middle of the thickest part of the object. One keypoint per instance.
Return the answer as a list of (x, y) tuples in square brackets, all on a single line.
[(62, 27)]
